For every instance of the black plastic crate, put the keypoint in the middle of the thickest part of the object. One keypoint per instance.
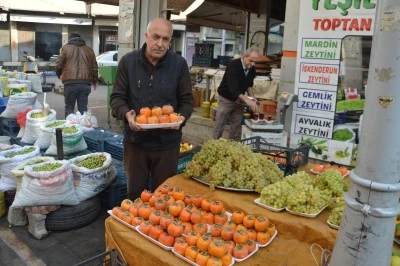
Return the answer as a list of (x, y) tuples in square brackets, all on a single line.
[(281, 155), (115, 147), (95, 139), (116, 192), (204, 50)]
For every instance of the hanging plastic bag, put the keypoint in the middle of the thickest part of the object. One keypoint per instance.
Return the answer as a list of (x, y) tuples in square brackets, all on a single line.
[(21, 120)]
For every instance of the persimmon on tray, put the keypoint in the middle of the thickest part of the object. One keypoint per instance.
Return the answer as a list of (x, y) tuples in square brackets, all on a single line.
[(158, 117)]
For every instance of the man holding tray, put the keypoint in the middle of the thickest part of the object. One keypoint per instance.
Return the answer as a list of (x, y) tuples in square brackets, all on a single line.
[(149, 77)]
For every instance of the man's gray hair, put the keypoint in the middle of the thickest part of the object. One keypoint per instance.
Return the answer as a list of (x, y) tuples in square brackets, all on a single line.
[(248, 51)]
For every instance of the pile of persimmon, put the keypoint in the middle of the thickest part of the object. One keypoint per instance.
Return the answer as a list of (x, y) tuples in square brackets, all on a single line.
[(196, 227), (320, 168), (157, 115)]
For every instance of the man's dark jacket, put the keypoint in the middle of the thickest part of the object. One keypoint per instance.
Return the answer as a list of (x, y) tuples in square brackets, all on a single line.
[(235, 82), (139, 84)]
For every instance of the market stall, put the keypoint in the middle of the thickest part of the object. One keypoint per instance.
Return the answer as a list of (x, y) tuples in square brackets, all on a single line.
[(292, 245)]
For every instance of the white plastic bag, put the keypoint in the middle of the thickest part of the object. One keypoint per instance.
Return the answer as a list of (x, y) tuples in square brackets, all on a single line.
[(36, 80), (46, 133), (88, 121), (90, 182), (10, 159), (32, 127), (72, 143), (52, 187), (18, 103)]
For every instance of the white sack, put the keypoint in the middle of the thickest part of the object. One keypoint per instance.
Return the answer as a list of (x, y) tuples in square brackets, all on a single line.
[(32, 127), (90, 182), (46, 187), (18, 103), (72, 143), (46, 133)]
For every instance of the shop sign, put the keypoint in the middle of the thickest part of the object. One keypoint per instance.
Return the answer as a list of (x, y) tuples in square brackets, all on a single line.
[(322, 26)]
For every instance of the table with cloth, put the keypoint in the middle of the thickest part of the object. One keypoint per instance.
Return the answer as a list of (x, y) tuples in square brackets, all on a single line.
[(292, 245)]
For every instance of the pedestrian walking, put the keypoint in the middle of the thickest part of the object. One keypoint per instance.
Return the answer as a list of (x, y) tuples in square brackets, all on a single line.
[(77, 68)]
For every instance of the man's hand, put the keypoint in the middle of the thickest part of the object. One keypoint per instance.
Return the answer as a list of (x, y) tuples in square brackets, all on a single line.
[(131, 118), (253, 104), (94, 86)]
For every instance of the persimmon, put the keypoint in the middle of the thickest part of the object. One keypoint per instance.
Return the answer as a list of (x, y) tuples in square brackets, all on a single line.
[(251, 245), (221, 218), (230, 245), (240, 236), (202, 258), (191, 253), (146, 111), (214, 261), (216, 207), (155, 217), (197, 217), (152, 201), (181, 202), (168, 199), (163, 119), (227, 233), (318, 168), (271, 229), (240, 251), (137, 220), (134, 210), (137, 202), (144, 211), (145, 195), (197, 199), (249, 220), (261, 223), (126, 204), (226, 259), (192, 238), (252, 234), (166, 239), (155, 232), (175, 228), (174, 117), (205, 204), (216, 229), (180, 246), (145, 226), (165, 220), (164, 188), (127, 218), (230, 224), (160, 204), (188, 199), (167, 109), (237, 217), (240, 227), (178, 194), (217, 248), (204, 241), (191, 207), (208, 217), (116, 210), (156, 111), (152, 120), (263, 237), (141, 119), (343, 170), (175, 209), (121, 214), (187, 227), (200, 227), (185, 215)]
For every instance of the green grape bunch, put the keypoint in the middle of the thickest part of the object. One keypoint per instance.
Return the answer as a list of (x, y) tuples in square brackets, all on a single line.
[(230, 164)]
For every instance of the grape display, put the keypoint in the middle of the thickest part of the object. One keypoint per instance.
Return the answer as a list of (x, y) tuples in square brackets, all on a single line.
[(230, 164), (300, 193), (337, 208)]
